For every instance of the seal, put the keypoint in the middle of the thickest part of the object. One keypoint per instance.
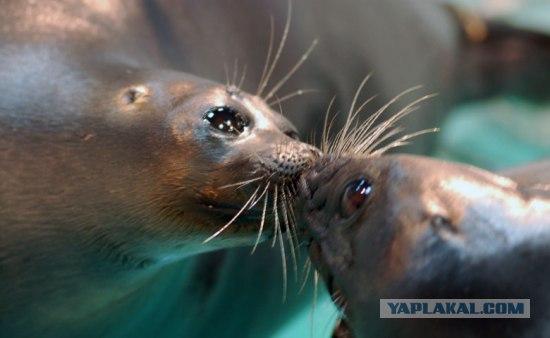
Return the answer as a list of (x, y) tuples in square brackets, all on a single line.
[(112, 169), (403, 226)]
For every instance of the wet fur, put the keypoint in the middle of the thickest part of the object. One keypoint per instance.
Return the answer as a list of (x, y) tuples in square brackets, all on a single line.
[(109, 181), (494, 245)]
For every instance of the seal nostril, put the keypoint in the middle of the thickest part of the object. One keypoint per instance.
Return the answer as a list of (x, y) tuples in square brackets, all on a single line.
[(293, 135), (315, 153), (440, 223)]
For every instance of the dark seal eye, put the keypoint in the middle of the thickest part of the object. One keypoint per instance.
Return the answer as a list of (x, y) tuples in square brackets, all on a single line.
[(292, 134), (226, 119), (356, 194)]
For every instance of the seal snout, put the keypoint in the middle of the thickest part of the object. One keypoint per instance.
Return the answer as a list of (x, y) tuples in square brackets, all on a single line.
[(287, 161)]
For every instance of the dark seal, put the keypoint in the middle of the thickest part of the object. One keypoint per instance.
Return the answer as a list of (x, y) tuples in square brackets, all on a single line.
[(402, 226)]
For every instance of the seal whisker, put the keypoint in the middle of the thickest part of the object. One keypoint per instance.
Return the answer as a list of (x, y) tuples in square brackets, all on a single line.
[(358, 131), (344, 131), (327, 127), (279, 235), (291, 95), (242, 183), (262, 222), (366, 147), (365, 127), (280, 108), (279, 50), (306, 270), (344, 308), (289, 233), (385, 125), (275, 217), (268, 57), (292, 70), (283, 261), (226, 70), (403, 140), (362, 106), (233, 219), (292, 217), (243, 77), (362, 130), (364, 138), (340, 302), (259, 197), (235, 72)]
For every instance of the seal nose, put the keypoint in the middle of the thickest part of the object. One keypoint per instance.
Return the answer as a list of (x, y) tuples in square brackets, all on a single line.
[(289, 160), (315, 153)]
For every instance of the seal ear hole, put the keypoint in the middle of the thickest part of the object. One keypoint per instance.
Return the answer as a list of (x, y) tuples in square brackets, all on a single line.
[(135, 94), (226, 119), (356, 194)]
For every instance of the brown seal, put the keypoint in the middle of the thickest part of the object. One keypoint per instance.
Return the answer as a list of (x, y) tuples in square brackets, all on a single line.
[(403, 226), (111, 168), (122, 177)]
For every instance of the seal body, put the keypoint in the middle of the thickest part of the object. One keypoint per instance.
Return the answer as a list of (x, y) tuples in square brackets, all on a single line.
[(114, 170), (424, 228)]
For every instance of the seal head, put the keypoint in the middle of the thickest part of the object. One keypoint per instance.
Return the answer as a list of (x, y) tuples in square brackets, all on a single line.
[(402, 226)]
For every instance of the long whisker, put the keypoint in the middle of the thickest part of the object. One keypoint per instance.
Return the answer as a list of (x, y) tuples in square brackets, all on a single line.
[(275, 217), (403, 140), (327, 126), (293, 70), (243, 76), (356, 139), (233, 219), (283, 254), (268, 57), (289, 234), (366, 147), (349, 140), (344, 132), (291, 95), (385, 125), (253, 204), (279, 50), (283, 261), (339, 147), (226, 70), (241, 183), (235, 72), (307, 270), (292, 218), (362, 106), (262, 222)]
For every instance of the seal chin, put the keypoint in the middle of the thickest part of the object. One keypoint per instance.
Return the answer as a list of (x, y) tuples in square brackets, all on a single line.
[(334, 290)]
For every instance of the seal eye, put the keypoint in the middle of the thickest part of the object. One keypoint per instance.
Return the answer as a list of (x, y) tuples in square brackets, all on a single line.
[(355, 196), (292, 134), (226, 119)]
